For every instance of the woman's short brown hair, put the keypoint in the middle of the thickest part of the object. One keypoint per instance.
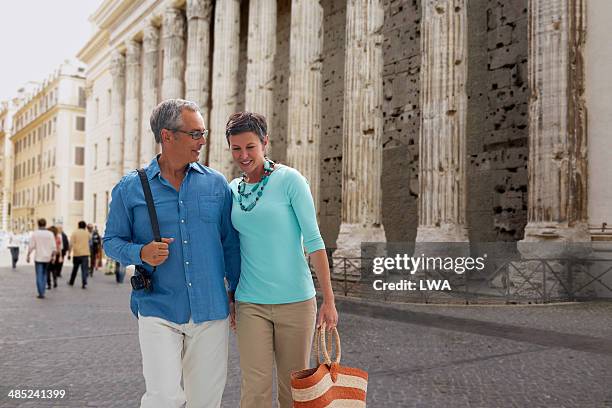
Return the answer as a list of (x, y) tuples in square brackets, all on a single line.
[(241, 122)]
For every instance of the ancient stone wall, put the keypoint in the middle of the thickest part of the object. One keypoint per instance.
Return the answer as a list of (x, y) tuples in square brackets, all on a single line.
[(278, 122), (401, 117), (334, 22), (497, 119)]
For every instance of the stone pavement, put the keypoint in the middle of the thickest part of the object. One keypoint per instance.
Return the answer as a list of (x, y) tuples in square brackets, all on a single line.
[(417, 355)]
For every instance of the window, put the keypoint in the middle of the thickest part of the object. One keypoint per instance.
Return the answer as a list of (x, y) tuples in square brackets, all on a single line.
[(80, 123), (108, 102), (79, 155), (107, 151), (52, 192), (95, 159), (106, 206), (97, 111), (78, 191), (53, 161), (82, 97), (95, 202), (38, 161)]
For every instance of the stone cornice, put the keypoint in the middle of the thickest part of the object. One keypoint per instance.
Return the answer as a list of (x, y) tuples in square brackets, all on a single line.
[(93, 46)]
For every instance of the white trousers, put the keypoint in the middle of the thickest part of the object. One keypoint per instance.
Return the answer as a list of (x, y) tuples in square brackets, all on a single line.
[(194, 353)]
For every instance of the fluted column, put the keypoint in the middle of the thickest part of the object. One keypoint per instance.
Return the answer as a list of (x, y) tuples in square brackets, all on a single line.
[(304, 124), (557, 208), (197, 75), (362, 128), (149, 91), (261, 50), (117, 69), (224, 82), (442, 148), (132, 105), (174, 54)]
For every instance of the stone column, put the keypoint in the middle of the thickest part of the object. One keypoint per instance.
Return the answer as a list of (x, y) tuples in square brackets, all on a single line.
[(304, 124), (224, 82), (557, 209), (132, 106), (261, 50), (442, 144), (362, 128), (197, 75), (149, 90), (117, 70), (174, 53)]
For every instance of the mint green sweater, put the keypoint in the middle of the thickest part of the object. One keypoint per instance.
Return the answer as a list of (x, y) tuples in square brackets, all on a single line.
[(274, 269)]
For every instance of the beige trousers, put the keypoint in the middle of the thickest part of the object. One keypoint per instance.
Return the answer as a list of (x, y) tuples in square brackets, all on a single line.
[(269, 334), (194, 353)]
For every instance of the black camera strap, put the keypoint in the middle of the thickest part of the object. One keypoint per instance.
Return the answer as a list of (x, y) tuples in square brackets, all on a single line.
[(146, 188)]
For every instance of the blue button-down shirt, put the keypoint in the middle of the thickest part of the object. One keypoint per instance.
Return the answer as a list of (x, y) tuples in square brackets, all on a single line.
[(206, 249)]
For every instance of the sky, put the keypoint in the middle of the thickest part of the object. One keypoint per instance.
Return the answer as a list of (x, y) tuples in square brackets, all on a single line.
[(36, 36)]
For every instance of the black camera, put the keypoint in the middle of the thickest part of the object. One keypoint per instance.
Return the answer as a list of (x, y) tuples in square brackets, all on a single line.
[(142, 279)]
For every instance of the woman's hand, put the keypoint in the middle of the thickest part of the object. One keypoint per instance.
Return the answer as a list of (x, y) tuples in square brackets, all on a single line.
[(232, 314), (328, 314)]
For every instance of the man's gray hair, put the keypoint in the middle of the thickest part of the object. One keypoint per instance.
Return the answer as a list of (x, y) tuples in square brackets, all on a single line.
[(167, 115)]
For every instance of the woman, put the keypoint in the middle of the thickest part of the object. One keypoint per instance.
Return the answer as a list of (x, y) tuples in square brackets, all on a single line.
[(273, 212), (57, 259)]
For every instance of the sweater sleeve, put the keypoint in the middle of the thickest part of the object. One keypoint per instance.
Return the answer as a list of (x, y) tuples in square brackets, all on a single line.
[(299, 195)]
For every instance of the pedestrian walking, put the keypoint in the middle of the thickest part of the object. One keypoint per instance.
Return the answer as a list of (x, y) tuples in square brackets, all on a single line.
[(119, 272), (65, 246), (52, 271), (79, 250), (13, 246), (183, 305), (43, 244), (95, 247)]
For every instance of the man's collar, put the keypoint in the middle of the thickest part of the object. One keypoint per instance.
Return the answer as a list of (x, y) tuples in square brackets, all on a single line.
[(153, 169)]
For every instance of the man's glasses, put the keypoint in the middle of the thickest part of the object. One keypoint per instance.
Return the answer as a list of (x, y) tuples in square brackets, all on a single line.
[(195, 134)]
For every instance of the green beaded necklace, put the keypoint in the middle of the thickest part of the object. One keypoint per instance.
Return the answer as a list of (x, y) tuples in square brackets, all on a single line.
[(242, 196)]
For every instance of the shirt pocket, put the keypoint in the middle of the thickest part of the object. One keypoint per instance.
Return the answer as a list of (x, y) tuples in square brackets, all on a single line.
[(210, 207)]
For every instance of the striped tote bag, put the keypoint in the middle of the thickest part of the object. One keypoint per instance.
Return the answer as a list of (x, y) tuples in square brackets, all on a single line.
[(329, 384)]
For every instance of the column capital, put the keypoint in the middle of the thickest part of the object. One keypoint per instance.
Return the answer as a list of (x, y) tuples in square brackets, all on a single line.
[(173, 23), (199, 9), (117, 64), (132, 53), (150, 40)]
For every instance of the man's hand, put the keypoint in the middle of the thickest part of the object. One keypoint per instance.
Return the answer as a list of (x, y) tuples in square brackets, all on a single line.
[(155, 253), (28, 259)]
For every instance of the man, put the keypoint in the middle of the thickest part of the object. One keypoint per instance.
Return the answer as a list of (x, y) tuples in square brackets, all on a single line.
[(42, 242), (79, 249), (65, 246), (13, 246), (95, 246), (183, 321)]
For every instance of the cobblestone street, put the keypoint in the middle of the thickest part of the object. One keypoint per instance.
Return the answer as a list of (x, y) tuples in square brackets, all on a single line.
[(417, 355)]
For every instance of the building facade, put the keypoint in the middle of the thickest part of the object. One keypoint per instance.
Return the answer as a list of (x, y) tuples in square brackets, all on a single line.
[(445, 120), (48, 143), (7, 109)]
